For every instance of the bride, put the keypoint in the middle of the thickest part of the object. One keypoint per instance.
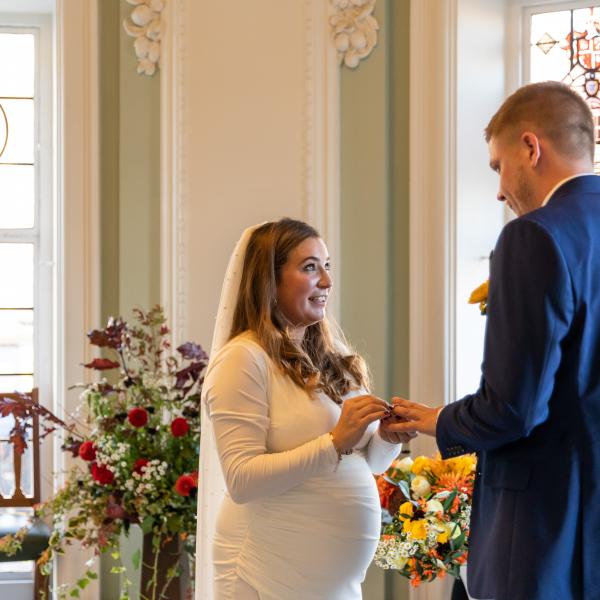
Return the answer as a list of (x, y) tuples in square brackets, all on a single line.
[(288, 507)]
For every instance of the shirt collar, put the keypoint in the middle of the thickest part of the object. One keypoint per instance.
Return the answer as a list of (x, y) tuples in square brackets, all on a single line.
[(561, 182)]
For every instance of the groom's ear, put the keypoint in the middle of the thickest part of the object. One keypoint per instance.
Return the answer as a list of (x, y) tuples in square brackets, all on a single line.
[(530, 144)]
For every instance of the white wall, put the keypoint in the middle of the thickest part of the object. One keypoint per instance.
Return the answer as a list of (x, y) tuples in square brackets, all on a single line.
[(248, 136)]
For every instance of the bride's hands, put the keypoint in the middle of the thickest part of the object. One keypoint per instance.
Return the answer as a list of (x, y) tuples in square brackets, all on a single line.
[(357, 414)]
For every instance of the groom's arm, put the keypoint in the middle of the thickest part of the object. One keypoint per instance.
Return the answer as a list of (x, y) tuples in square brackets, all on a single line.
[(530, 309)]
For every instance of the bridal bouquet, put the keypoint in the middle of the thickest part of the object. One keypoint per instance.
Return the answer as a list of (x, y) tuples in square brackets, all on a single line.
[(136, 449), (427, 508)]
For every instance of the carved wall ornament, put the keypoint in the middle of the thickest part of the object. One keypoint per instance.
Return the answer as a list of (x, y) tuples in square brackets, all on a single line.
[(354, 30), (145, 25)]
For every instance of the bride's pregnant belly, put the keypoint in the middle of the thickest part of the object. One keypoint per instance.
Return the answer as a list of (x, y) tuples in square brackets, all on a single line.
[(316, 535)]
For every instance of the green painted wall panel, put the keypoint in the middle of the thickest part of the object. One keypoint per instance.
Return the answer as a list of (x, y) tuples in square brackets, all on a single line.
[(374, 220)]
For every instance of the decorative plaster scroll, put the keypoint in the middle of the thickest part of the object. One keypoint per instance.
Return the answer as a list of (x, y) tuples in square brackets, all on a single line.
[(354, 30), (145, 25)]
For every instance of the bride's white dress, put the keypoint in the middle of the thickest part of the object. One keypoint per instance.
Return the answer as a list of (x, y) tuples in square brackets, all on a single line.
[(296, 524)]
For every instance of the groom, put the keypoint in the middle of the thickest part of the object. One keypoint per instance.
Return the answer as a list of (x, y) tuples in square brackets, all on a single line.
[(535, 419)]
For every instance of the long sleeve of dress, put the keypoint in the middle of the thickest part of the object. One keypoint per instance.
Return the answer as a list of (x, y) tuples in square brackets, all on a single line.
[(237, 398), (380, 454)]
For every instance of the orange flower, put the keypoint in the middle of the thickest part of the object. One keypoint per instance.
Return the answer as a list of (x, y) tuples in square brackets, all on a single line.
[(386, 490)]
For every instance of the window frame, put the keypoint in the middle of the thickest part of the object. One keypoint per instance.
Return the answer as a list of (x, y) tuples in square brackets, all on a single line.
[(42, 234)]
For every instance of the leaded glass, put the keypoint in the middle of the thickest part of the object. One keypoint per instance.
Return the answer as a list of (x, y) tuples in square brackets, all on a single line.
[(565, 46)]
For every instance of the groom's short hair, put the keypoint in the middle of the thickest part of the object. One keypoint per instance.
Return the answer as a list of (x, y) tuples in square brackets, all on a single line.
[(550, 109)]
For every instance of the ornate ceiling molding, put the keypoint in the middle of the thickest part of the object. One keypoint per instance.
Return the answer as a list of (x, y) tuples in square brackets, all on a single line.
[(354, 30), (145, 25)]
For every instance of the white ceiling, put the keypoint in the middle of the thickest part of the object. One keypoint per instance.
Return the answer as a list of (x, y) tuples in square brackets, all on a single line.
[(26, 6)]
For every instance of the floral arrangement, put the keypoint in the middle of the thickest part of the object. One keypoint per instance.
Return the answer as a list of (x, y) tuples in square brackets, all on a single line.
[(479, 296), (427, 509), (136, 449)]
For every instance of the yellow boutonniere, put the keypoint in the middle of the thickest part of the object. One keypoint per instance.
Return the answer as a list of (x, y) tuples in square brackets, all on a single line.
[(479, 296)]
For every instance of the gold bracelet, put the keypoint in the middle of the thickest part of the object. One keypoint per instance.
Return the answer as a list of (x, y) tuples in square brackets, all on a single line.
[(340, 453)]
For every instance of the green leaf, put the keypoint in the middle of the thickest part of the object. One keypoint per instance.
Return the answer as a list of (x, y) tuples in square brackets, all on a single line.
[(147, 524), (83, 583), (135, 559), (449, 500), (91, 575), (116, 555), (405, 489), (174, 524), (74, 593), (117, 570)]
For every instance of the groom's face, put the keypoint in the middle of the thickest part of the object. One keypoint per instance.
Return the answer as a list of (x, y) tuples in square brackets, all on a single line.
[(510, 160)]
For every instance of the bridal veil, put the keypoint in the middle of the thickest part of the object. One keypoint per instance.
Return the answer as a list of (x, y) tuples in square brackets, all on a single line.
[(211, 484)]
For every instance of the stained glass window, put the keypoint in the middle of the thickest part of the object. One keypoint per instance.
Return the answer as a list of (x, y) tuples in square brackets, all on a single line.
[(565, 46)]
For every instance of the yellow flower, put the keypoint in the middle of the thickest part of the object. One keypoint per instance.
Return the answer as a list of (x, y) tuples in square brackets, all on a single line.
[(479, 294), (416, 529), (406, 509), (462, 465), (442, 538), (420, 464)]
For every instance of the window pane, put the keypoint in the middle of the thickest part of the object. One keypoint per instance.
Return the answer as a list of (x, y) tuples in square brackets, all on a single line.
[(16, 341), (13, 383), (17, 185), (20, 118), (7, 474), (17, 55), (7, 477), (16, 275)]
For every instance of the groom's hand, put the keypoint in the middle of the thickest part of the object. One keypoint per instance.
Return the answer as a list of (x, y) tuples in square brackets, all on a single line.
[(414, 417)]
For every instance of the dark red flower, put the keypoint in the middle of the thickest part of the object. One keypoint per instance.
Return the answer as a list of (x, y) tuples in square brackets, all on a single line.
[(102, 364), (87, 451), (179, 427), (138, 417), (139, 464), (102, 474), (185, 484)]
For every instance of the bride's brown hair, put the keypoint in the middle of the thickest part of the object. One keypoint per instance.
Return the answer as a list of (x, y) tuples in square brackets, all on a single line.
[(323, 361)]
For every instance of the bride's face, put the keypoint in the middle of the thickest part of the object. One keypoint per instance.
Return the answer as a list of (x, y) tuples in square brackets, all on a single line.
[(304, 285)]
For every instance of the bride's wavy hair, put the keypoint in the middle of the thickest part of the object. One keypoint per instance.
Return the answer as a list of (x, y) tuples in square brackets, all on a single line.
[(324, 361)]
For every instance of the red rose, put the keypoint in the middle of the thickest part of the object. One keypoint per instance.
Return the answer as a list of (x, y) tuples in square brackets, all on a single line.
[(102, 474), (138, 417), (87, 451), (139, 464), (179, 427), (185, 484)]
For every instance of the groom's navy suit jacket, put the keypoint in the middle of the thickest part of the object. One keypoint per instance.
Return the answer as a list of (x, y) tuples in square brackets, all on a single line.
[(535, 420)]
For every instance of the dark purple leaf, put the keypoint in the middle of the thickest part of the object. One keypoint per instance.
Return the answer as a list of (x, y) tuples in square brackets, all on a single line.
[(189, 375), (71, 446), (109, 337), (192, 351), (102, 364)]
